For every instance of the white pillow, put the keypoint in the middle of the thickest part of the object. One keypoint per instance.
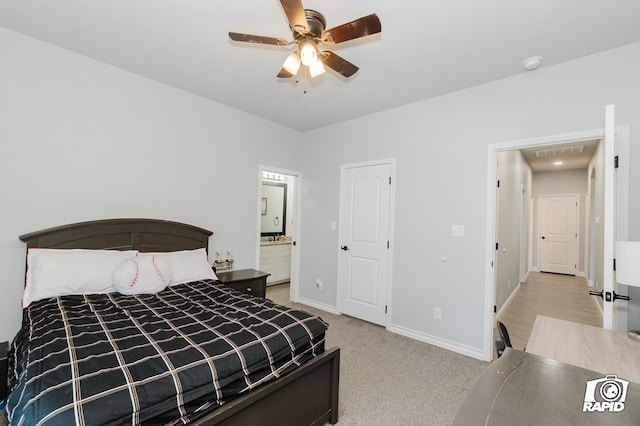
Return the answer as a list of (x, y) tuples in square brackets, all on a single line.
[(60, 272), (141, 275), (187, 265)]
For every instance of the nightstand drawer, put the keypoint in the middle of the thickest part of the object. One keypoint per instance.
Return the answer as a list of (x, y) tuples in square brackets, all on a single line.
[(253, 287), (247, 281)]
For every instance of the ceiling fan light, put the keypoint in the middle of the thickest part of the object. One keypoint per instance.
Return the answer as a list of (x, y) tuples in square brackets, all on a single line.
[(292, 63), (316, 69), (308, 52)]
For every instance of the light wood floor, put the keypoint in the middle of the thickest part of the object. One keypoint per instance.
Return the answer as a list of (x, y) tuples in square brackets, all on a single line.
[(558, 296), (279, 293)]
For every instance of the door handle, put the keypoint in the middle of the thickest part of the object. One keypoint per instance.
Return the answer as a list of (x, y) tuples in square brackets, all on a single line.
[(345, 248), (620, 296), (600, 294), (543, 237), (609, 296)]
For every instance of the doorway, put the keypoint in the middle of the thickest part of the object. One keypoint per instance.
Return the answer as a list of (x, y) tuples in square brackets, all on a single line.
[(622, 141), (279, 204)]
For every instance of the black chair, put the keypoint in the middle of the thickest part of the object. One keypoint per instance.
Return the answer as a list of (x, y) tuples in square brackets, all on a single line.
[(504, 342), (504, 335), (499, 348)]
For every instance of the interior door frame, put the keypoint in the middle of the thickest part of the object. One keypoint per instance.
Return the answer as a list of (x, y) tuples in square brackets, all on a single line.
[(392, 197), (622, 189), (294, 286), (525, 229)]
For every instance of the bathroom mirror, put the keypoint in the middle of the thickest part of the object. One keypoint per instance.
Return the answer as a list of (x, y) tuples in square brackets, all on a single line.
[(273, 208)]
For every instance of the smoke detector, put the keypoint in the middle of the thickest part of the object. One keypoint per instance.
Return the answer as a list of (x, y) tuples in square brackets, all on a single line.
[(532, 63)]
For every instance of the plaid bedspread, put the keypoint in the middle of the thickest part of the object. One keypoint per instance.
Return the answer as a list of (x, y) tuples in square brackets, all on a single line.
[(160, 359)]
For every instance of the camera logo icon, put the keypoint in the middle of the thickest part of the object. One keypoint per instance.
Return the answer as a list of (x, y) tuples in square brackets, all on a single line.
[(607, 394)]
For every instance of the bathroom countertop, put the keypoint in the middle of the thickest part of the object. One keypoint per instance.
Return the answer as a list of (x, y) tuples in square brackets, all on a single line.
[(275, 243)]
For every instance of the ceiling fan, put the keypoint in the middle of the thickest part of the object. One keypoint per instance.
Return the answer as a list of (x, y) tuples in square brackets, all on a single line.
[(308, 28)]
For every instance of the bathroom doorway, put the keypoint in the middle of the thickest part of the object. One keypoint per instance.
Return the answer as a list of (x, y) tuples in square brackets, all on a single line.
[(279, 227)]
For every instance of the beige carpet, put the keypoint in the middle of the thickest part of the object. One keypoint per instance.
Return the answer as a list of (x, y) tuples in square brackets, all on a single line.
[(388, 379)]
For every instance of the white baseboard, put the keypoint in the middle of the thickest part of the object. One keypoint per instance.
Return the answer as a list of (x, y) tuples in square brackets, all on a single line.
[(590, 283), (317, 305), (534, 269), (508, 302), (437, 341)]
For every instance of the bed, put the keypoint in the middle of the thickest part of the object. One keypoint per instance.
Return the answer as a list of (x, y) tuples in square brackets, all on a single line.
[(240, 373)]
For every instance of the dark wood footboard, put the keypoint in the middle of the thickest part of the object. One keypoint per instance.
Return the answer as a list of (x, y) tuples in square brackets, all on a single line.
[(307, 396), (4, 367)]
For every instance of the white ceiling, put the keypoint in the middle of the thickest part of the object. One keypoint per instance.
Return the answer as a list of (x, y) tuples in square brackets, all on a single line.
[(427, 48), (562, 156)]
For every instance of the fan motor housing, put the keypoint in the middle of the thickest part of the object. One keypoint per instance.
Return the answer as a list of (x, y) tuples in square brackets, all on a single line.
[(316, 23)]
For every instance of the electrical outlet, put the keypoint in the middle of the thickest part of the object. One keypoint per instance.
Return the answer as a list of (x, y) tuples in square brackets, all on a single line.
[(457, 230), (318, 284), (437, 313)]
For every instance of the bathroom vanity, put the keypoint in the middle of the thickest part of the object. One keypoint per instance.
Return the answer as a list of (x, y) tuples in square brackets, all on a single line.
[(275, 258)]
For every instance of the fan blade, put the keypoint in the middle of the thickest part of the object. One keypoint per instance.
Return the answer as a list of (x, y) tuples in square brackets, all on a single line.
[(364, 26), (339, 64), (284, 74), (248, 38), (295, 14)]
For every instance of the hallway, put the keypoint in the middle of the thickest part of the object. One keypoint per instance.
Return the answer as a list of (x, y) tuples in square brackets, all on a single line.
[(558, 296)]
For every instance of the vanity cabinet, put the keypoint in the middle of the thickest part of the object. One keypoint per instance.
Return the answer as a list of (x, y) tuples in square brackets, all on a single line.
[(276, 260)]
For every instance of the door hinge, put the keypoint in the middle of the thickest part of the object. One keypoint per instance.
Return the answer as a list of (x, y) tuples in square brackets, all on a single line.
[(498, 183), (387, 245), (496, 246), (389, 180), (385, 309), (495, 309), (616, 163), (614, 264)]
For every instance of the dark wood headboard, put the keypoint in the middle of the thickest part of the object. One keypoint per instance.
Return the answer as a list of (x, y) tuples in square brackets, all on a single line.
[(145, 235)]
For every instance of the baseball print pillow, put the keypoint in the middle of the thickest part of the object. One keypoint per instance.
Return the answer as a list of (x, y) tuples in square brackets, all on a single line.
[(142, 275)]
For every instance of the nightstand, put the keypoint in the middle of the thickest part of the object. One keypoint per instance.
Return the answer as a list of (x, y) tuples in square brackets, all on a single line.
[(248, 281)]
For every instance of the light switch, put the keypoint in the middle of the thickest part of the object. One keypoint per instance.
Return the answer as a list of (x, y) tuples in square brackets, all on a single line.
[(457, 230)]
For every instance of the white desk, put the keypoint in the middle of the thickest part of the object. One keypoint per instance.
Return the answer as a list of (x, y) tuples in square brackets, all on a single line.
[(605, 351)]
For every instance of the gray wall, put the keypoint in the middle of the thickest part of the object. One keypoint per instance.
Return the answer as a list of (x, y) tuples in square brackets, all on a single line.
[(440, 146), (561, 182), (514, 173), (81, 140)]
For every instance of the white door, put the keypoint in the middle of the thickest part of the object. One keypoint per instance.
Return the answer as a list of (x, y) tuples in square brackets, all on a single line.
[(363, 262), (557, 219), (610, 306)]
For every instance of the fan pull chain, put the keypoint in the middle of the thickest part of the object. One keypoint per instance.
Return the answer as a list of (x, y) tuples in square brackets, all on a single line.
[(304, 85)]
